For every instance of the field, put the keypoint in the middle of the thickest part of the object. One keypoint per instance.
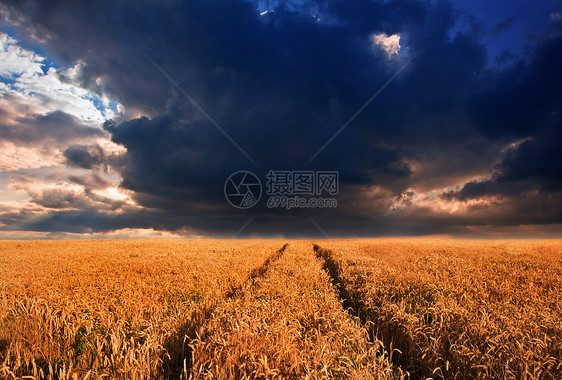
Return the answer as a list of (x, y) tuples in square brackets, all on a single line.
[(209, 309)]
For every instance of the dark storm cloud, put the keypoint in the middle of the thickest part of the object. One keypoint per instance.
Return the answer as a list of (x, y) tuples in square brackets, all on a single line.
[(534, 166), (59, 199), (538, 160), (523, 100), (84, 156), (55, 128), (526, 102), (281, 84), (503, 25)]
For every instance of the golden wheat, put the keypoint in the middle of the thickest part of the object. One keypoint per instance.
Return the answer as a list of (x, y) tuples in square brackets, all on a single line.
[(458, 309), (367, 308), (118, 308)]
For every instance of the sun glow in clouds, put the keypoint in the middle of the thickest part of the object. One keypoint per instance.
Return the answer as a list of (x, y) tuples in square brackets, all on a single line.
[(390, 44), (116, 194)]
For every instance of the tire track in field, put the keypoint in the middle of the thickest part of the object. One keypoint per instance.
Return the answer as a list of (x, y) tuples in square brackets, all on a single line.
[(288, 324), (258, 271), (178, 360), (353, 299)]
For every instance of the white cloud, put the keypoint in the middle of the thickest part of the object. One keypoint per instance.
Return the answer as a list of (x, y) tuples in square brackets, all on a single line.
[(17, 61), (30, 89), (390, 44), (23, 76)]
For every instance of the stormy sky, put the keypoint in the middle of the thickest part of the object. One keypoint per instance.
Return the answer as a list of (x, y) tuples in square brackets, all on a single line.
[(126, 118)]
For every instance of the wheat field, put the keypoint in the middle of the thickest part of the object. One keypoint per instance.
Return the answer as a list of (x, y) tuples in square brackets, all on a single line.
[(245, 309)]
